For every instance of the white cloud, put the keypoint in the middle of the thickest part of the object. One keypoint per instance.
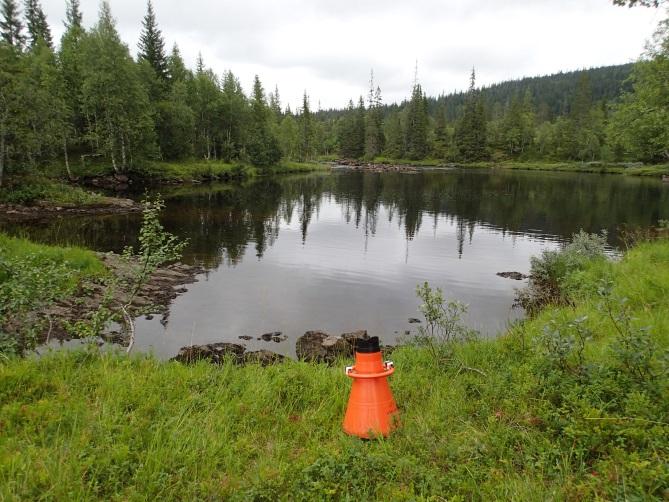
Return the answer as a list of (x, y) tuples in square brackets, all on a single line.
[(328, 47)]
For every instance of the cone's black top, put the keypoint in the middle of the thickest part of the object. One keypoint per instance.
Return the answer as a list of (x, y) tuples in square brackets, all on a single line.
[(367, 345)]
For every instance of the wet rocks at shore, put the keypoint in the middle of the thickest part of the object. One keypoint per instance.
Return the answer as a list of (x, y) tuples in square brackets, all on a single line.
[(318, 346), (154, 297), (356, 165), (516, 276), (44, 210), (313, 346)]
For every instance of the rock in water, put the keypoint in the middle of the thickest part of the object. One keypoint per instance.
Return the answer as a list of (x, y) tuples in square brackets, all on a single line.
[(318, 346), (516, 276), (268, 337)]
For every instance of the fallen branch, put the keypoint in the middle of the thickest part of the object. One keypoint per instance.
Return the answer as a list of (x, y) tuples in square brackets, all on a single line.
[(131, 328)]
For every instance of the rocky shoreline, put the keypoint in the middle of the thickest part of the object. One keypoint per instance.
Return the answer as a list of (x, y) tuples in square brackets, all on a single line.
[(43, 210), (356, 165), (313, 346), (153, 298)]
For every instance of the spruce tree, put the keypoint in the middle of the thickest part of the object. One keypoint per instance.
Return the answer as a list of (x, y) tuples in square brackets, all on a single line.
[(38, 28), (73, 17), (471, 130), (394, 136), (263, 148), (306, 130), (11, 28), (176, 68), (152, 45), (417, 125), (374, 138)]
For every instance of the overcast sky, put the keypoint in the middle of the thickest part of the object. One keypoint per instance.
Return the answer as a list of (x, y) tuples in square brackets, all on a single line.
[(328, 47)]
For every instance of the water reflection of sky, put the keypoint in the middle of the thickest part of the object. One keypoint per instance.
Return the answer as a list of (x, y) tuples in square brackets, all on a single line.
[(345, 251), (343, 277)]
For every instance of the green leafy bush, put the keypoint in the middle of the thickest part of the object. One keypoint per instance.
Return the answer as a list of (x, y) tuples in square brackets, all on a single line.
[(550, 273)]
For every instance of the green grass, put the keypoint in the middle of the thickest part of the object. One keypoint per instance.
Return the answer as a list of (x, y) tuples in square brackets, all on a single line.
[(498, 420), (30, 190)]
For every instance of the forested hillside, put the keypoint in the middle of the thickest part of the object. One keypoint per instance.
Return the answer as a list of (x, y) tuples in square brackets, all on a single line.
[(87, 99)]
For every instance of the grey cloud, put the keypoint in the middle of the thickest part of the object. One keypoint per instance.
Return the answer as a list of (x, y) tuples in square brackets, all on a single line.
[(330, 46)]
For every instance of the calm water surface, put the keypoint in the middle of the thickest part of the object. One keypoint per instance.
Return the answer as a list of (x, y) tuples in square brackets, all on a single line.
[(345, 250)]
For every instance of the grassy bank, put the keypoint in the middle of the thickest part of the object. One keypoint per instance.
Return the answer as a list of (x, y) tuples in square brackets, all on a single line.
[(49, 186), (570, 405), (30, 190)]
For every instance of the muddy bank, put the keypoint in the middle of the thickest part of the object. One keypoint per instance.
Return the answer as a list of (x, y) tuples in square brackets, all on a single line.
[(58, 320), (44, 210)]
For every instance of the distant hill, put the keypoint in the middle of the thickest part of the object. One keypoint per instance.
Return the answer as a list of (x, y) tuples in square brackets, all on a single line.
[(551, 94)]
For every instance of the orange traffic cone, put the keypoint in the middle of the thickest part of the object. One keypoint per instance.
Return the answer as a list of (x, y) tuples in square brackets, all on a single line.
[(371, 408)]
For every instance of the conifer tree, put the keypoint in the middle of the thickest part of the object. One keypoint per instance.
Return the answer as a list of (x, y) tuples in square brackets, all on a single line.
[(176, 68), (152, 45), (11, 28), (263, 147), (73, 15), (374, 138), (38, 28), (394, 136), (471, 129), (306, 130), (417, 125), (71, 64)]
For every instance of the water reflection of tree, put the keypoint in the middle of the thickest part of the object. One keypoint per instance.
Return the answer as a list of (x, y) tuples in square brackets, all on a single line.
[(223, 221)]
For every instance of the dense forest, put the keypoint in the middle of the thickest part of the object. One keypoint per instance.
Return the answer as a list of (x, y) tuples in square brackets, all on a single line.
[(89, 99)]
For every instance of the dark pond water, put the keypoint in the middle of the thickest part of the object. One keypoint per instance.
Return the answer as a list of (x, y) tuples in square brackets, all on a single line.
[(345, 250)]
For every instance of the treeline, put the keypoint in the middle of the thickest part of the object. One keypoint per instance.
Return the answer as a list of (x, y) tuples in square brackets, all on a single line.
[(611, 114), (90, 99)]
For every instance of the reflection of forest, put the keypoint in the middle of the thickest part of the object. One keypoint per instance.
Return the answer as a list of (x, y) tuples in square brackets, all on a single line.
[(221, 220)]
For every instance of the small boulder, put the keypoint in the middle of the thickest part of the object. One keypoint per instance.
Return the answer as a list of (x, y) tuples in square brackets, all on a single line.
[(268, 337), (516, 276), (413, 320), (318, 346)]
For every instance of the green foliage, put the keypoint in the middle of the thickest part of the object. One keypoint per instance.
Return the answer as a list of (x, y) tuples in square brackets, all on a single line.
[(31, 190), (417, 122), (550, 273), (471, 130), (567, 416), (33, 276), (156, 246), (640, 123), (11, 27)]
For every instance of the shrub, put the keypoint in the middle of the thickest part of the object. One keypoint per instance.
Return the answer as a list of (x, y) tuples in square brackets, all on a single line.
[(549, 272)]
